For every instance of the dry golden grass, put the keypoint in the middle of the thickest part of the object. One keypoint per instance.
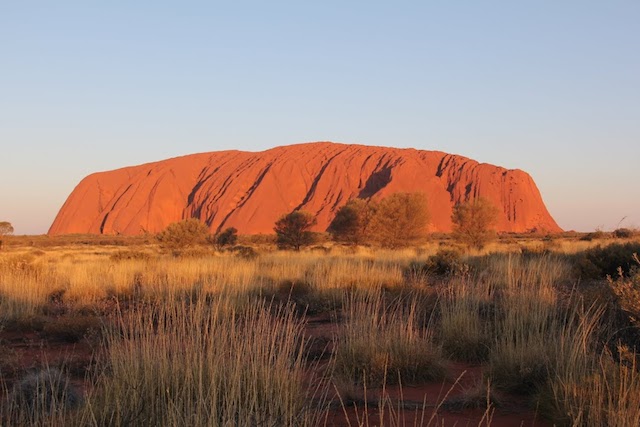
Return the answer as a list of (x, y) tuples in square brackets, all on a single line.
[(386, 342), (195, 340), (87, 278), (206, 363), (467, 311)]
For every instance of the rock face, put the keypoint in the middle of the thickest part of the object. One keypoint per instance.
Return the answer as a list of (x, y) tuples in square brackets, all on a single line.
[(250, 191)]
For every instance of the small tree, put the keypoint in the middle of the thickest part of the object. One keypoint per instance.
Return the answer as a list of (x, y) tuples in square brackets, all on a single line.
[(227, 237), (473, 222), (400, 219), (5, 229), (185, 233), (352, 221), (293, 230)]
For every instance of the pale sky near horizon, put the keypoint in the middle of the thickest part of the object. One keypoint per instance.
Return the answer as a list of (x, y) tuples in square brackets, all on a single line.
[(549, 87)]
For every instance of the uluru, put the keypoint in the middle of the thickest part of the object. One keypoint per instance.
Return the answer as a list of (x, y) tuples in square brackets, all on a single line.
[(251, 190)]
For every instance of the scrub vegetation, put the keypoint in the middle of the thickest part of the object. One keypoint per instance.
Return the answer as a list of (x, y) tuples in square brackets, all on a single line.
[(119, 332)]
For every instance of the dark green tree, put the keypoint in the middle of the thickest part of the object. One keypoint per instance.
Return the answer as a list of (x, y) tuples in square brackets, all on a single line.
[(227, 237), (293, 230), (352, 222)]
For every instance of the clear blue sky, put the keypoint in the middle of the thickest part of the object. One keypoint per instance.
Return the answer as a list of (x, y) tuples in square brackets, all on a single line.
[(551, 87)]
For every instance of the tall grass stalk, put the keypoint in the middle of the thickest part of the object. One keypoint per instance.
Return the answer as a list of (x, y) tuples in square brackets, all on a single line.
[(587, 390), (384, 341), (207, 364), (466, 319)]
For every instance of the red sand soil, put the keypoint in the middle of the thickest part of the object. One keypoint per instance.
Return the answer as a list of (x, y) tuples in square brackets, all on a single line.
[(420, 405), (250, 191), (27, 351), (419, 417)]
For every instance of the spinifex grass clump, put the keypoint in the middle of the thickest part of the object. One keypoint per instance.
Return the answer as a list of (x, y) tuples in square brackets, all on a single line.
[(467, 314), (383, 341), (523, 349), (527, 324), (306, 298), (206, 363), (23, 287), (586, 389)]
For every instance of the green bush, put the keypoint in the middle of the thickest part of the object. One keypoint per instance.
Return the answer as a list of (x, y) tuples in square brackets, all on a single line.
[(600, 262), (351, 224), (446, 262), (227, 237), (293, 230)]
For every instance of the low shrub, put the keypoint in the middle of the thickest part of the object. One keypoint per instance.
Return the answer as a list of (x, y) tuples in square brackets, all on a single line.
[(600, 262), (595, 235), (38, 396), (306, 298), (245, 252), (627, 290), (227, 237), (294, 289), (623, 233), (446, 262)]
